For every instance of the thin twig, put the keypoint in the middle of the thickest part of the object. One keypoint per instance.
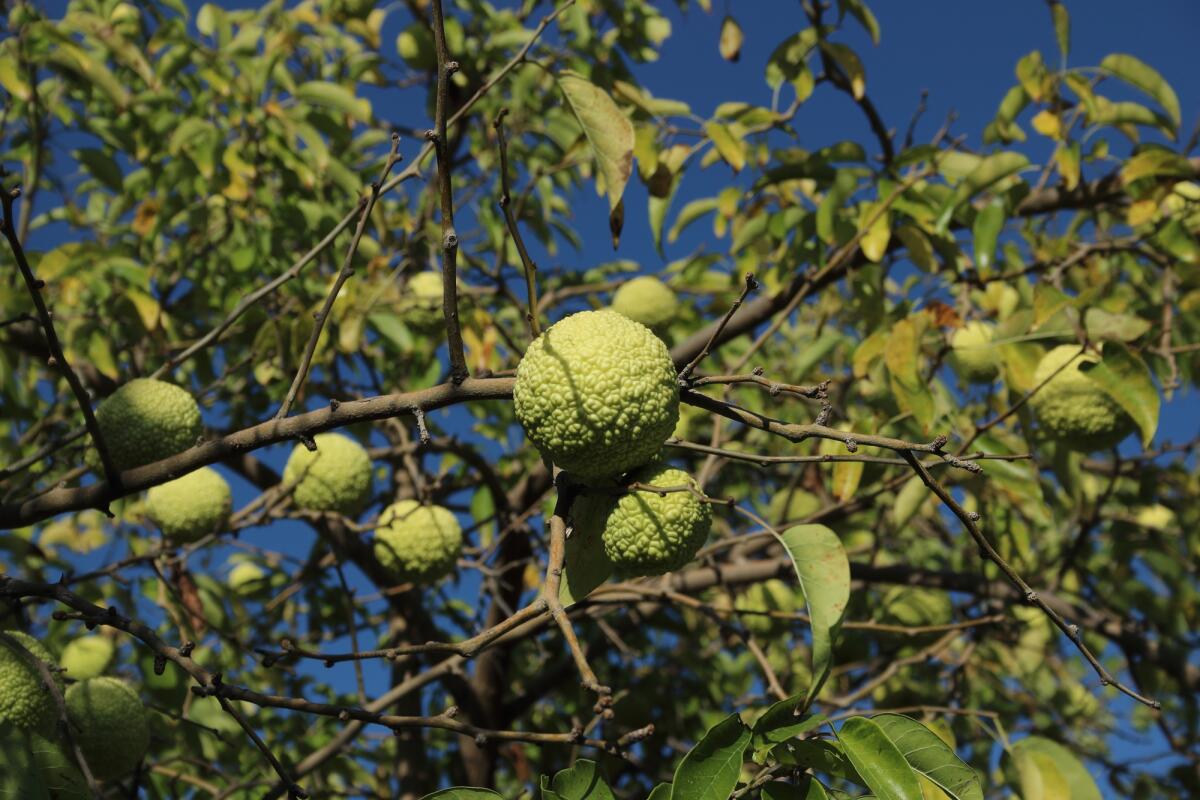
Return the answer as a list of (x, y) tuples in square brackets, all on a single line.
[(750, 285), (367, 205), (446, 69), (531, 316)]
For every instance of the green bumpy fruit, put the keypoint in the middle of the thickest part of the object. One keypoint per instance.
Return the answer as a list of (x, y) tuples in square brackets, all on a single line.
[(647, 300), (597, 394), (645, 533), (972, 353), (418, 543), (87, 656), (335, 477), (189, 508), (1074, 409), (25, 700), (422, 305), (112, 727), (146, 421)]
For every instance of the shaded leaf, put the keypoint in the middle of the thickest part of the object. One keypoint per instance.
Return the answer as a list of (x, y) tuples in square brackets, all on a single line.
[(462, 793), (608, 131), (1049, 771), (581, 781), (710, 769), (824, 574)]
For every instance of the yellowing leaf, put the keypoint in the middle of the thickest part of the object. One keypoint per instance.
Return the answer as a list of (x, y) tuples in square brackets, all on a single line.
[(875, 224), (732, 38), (1047, 123), (1133, 71), (608, 131), (730, 147)]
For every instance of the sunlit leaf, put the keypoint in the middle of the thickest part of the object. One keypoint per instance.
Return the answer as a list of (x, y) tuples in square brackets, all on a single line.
[(609, 132)]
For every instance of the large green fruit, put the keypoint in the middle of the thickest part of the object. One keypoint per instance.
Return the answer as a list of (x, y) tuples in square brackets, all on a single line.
[(418, 543), (189, 508), (1074, 409), (597, 394), (644, 532), (647, 300), (111, 726), (87, 656), (145, 421), (973, 355), (25, 700), (335, 477)]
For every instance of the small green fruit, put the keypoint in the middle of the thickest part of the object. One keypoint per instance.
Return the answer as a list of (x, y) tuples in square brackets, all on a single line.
[(146, 420), (87, 656), (1074, 409), (111, 726), (647, 300), (646, 533), (597, 394), (246, 578), (416, 46), (973, 355), (25, 700), (418, 543), (335, 477), (422, 304), (190, 508)]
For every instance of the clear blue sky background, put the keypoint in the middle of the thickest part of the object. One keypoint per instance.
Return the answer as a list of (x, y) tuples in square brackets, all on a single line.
[(963, 53)]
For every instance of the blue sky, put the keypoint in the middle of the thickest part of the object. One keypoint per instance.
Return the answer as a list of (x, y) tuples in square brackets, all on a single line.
[(963, 53)]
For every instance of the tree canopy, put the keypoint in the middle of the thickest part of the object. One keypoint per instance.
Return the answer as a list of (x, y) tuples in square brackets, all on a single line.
[(920, 375)]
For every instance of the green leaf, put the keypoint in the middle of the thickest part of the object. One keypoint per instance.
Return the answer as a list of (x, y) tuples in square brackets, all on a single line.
[(824, 574), (102, 167), (1126, 379), (660, 792), (332, 95), (1049, 771), (19, 779), (986, 230), (858, 9), (878, 761), (608, 131), (1136, 73), (850, 64), (780, 723), (581, 781), (462, 793), (710, 769), (1101, 324), (728, 145), (929, 755), (1062, 26), (586, 566), (989, 171), (691, 212)]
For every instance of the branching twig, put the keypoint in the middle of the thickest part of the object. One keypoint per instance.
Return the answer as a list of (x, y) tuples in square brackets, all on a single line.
[(57, 358), (510, 219), (750, 286)]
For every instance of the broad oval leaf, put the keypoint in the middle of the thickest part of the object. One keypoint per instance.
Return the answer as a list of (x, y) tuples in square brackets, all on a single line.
[(581, 781), (608, 131), (1126, 379), (335, 96), (930, 756), (878, 761), (710, 769), (1045, 766), (462, 793), (824, 574)]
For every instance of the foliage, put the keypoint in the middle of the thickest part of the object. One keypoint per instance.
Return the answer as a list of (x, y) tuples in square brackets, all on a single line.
[(207, 198)]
